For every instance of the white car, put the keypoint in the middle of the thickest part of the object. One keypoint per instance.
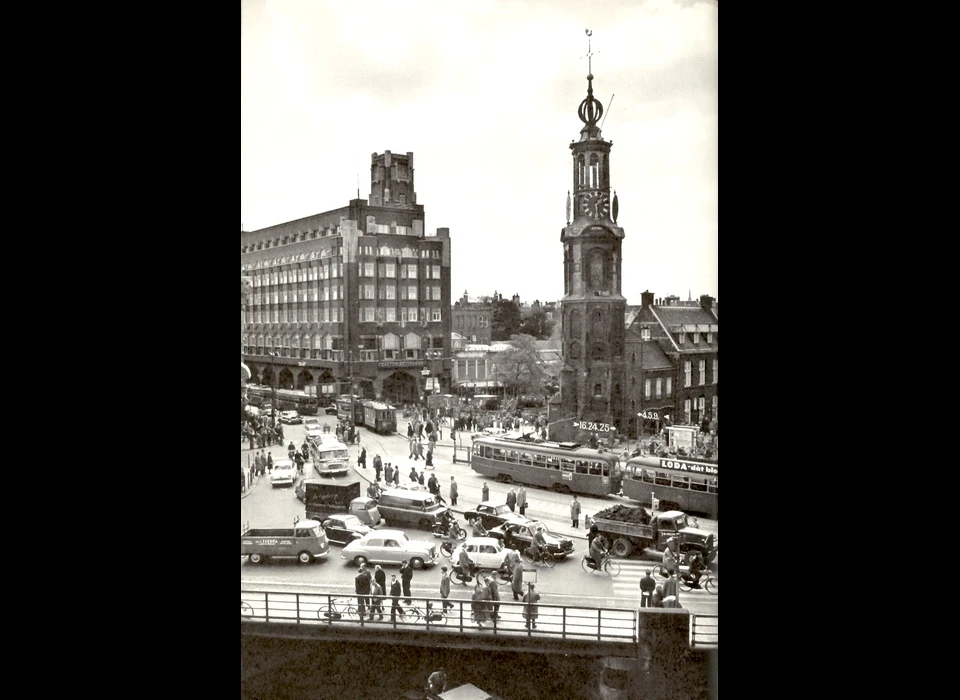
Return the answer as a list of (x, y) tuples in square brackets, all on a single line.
[(390, 547), (486, 552), (311, 422), (283, 474)]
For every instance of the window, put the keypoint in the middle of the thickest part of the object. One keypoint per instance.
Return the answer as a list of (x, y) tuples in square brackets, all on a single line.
[(435, 272), (716, 371), (369, 314), (409, 271), (703, 372), (686, 372), (709, 336), (669, 386), (391, 315), (391, 292), (686, 410), (659, 387), (597, 390), (367, 290), (696, 337), (646, 388), (435, 315), (701, 405), (412, 292), (366, 269), (680, 337), (412, 314), (645, 334), (390, 271)]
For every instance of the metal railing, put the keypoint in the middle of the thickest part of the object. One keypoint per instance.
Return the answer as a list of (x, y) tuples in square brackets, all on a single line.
[(565, 622)]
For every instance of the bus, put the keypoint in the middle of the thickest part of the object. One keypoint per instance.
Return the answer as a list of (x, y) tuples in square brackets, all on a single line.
[(677, 482), (379, 417), (567, 467), (328, 454)]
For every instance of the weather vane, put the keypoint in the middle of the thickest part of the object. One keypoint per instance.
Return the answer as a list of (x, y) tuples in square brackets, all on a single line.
[(589, 55)]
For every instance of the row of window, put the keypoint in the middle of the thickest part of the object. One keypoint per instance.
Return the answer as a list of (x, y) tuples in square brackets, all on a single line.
[(664, 386), (472, 321), (336, 355), (292, 238), (323, 292), (695, 337), (677, 481), (380, 314), (390, 270), (545, 461), (701, 405), (369, 314), (701, 374), (321, 271), (431, 292)]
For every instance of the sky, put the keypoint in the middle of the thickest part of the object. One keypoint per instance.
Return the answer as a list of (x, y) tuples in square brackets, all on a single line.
[(485, 94)]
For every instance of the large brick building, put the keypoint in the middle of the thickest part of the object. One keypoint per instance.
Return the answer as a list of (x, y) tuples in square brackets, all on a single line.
[(361, 292)]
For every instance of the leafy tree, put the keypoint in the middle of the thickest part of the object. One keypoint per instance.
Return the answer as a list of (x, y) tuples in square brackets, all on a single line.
[(520, 368), (537, 325), (505, 321)]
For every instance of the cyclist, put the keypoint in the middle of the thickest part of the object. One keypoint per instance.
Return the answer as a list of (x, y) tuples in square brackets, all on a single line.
[(697, 567), (669, 560), (597, 553), (478, 529), (539, 544), (465, 565)]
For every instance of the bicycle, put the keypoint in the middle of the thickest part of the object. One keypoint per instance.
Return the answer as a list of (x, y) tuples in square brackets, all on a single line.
[(431, 617), (334, 612), (708, 583), (607, 565), (543, 557), (246, 608)]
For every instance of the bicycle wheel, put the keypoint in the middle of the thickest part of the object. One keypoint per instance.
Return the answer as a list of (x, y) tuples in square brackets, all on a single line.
[(584, 565), (684, 585), (660, 570), (446, 549), (611, 567), (327, 614), (411, 615), (711, 585), (527, 555), (549, 560), (246, 608)]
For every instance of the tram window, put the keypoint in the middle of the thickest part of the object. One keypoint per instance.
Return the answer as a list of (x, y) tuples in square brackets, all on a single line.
[(540, 461), (662, 479), (697, 485), (566, 465), (553, 462), (604, 468), (581, 467), (512, 456), (498, 454), (681, 482), (525, 458), (647, 475)]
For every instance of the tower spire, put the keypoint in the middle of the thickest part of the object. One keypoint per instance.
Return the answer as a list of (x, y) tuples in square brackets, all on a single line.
[(590, 109)]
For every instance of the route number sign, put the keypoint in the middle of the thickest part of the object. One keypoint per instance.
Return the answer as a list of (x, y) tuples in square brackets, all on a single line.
[(598, 427)]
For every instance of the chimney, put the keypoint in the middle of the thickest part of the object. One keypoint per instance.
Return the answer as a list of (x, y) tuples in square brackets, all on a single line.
[(706, 302), (646, 298)]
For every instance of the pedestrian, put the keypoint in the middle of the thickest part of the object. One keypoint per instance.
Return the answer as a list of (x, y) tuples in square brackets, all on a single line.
[(669, 560), (388, 472), (253, 439), (269, 462), (647, 585), (377, 465), (358, 438), (517, 581), (433, 484), (429, 461), (486, 493), (531, 609), (479, 603), (418, 449), (362, 459), (522, 500), (362, 584), (380, 577), (437, 682), (670, 587), (376, 600), (512, 500), (257, 464), (445, 587), (396, 476), (453, 491), (656, 598), (413, 474), (406, 575), (394, 598), (410, 430), (575, 511), (420, 479), (420, 430), (494, 589)]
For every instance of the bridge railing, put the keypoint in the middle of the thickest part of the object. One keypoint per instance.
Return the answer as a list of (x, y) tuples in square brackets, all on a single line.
[(576, 623)]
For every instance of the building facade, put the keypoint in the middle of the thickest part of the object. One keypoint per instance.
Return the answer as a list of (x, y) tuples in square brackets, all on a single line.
[(358, 295), (471, 318), (591, 379)]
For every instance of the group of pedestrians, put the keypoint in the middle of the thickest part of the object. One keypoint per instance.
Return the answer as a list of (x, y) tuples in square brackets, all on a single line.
[(485, 600), (261, 435), (372, 589)]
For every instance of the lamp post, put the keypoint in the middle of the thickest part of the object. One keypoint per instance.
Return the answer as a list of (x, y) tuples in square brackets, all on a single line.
[(273, 399)]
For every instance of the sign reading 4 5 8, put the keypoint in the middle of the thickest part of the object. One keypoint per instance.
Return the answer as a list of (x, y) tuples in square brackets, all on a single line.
[(598, 427)]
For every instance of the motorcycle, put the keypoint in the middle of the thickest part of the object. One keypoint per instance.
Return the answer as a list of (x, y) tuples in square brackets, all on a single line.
[(449, 529)]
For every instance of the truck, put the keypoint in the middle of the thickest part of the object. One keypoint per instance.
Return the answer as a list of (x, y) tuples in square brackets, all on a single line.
[(628, 529), (325, 497), (306, 541)]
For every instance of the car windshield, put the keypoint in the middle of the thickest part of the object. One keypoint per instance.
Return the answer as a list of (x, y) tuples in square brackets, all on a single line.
[(502, 509), (351, 520)]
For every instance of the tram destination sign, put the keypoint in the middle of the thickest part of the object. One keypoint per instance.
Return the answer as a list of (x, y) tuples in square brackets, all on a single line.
[(395, 364), (598, 427), (683, 465)]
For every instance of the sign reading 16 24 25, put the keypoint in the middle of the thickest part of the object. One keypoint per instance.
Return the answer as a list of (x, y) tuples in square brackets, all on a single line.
[(599, 427)]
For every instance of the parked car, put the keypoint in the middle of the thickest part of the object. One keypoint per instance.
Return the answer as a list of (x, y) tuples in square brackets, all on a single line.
[(517, 533), (290, 417), (311, 422), (284, 472), (492, 514), (390, 547), (342, 529), (485, 552)]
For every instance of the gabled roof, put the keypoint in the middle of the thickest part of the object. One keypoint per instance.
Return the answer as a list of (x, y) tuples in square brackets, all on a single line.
[(653, 355), (675, 315)]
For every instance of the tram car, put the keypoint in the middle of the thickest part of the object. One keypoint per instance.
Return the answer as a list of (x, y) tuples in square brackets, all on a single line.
[(379, 417), (351, 410)]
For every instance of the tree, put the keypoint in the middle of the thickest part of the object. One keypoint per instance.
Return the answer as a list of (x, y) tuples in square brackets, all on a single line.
[(505, 320), (520, 368), (537, 325)]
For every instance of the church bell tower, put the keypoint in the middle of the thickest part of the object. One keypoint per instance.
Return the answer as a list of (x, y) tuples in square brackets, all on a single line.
[(591, 379)]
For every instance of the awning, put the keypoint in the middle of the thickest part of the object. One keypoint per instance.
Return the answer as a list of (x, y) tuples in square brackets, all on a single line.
[(481, 385), (245, 373)]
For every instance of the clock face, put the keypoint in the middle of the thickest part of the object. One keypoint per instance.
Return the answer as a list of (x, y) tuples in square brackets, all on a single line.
[(596, 205)]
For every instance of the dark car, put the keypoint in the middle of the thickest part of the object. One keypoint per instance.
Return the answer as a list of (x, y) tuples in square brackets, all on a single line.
[(341, 529), (492, 514), (517, 533), (331, 409)]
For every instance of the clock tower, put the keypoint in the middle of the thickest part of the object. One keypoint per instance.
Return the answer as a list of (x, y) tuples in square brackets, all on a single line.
[(592, 378)]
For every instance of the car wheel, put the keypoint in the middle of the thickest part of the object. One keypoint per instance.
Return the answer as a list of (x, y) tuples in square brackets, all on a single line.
[(305, 557), (358, 560), (424, 524), (416, 563), (255, 558)]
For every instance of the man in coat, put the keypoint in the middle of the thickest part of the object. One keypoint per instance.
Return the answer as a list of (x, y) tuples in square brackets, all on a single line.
[(388, 473), (376, 600), (486, 493), (575, 511), (362, 459), (377, 465), (394, 598), (647, 586), (522, 500), (517, 584), (453, 491), (494, 591), (406, 574), (531, 609), (362, 583), (434, 485), (380, 576), (512, 500), (445, 587)]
